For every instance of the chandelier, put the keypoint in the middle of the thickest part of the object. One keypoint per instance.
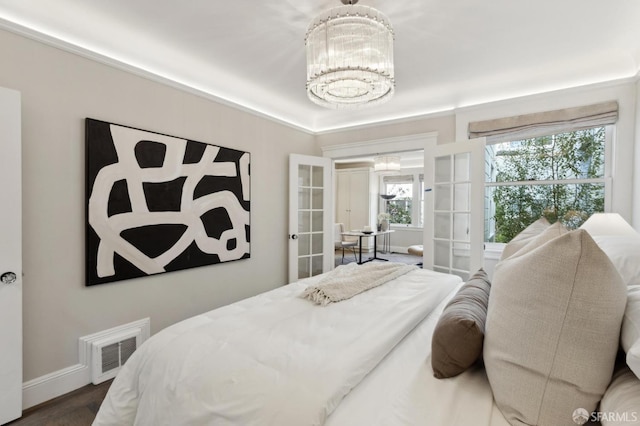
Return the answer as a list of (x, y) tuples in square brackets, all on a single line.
[(350, 57), (386, 163)]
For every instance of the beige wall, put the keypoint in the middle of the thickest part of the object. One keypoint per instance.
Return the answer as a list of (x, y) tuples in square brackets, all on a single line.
[(444, 124), (59, 90)]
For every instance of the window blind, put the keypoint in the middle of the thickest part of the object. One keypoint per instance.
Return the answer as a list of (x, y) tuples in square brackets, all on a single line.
[(544, 123), (398, 179)]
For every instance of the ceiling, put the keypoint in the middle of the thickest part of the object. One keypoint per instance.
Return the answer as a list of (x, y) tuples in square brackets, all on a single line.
[(250, 53)]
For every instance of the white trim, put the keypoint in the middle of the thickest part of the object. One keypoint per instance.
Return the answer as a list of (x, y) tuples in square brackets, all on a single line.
[(379, 146), (54, 384), (547, 182), (493, 251), (60, 382)]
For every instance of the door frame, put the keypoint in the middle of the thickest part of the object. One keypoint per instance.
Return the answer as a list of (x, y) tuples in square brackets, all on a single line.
[(415, 142)]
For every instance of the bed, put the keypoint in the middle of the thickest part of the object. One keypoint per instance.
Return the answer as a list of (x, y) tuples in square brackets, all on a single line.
[(281, 359)]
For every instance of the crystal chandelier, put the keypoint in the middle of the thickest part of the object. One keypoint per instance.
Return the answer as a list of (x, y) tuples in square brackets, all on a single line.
[(350, 57), (386, 163)]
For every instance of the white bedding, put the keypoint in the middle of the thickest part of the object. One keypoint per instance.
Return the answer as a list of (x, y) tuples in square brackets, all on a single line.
[(274, 359), (401, 390)]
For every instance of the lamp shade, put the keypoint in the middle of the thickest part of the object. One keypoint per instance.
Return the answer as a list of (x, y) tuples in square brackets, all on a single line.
[(350, 57), (386, 163), (600, 224)]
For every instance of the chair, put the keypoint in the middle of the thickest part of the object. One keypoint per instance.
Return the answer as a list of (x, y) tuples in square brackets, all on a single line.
[(341, 242)]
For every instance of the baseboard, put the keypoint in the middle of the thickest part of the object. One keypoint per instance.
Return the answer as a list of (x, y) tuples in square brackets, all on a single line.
[(398, 249), (58, 383), (54, 384)]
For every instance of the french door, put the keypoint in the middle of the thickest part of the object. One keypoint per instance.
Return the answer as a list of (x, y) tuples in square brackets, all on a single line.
[(10, 257), (454, 207), (311, 247)]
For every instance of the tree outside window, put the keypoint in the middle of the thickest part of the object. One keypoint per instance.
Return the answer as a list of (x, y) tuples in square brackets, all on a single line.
[(400, 207), (560, 177), (407, 205)]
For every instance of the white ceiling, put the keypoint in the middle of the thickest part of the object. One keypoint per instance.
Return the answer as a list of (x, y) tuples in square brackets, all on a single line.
[(250, 53)]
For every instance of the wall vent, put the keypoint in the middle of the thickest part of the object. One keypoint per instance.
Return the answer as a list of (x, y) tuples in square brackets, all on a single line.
[(107, 351)]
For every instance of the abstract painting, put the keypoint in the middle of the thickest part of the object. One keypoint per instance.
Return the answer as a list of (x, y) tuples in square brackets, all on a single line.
[(158, 203)]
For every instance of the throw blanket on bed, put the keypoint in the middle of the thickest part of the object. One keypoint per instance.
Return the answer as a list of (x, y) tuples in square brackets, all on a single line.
[(348, 280), (274, 359)]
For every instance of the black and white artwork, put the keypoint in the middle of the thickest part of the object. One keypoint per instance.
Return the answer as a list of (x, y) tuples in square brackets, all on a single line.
[(158, 203)]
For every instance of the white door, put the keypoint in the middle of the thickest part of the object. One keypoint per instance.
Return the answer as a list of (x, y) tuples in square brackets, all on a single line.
[(454, 207), (343, 200), (10, 257), (311, 248), (359, 200)]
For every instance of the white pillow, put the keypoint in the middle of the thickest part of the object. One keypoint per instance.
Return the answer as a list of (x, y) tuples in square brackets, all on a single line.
[(620, 404), (630, 336), (624, 252)]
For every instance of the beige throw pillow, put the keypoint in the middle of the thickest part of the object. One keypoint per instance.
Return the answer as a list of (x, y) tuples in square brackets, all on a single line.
[(524, 237), (457, 339), (548, 234), (552, 330)]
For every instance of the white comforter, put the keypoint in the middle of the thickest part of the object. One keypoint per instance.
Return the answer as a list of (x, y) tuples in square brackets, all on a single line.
[(274, 359)]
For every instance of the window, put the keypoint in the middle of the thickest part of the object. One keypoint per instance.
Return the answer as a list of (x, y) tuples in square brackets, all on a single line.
[(561, 177), (407, 205)]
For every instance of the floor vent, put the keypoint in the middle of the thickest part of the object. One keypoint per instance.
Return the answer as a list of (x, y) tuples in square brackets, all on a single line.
[(107, 351)]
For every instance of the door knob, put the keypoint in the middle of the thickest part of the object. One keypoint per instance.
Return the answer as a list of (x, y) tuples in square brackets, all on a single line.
[(8, 277), (294, 237)]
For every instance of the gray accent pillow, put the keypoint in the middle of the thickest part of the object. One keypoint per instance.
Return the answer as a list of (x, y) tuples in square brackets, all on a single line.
[(457, 339), (526, 235), (552, 330)]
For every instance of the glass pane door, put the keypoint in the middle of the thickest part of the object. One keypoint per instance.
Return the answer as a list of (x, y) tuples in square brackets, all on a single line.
[(454, 200), (452, 214), (310, 245), (310, 220)]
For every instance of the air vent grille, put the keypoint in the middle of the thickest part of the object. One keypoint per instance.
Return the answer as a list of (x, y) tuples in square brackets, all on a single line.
[(110, 357), (127, 348), (110, 354), (105, 352)]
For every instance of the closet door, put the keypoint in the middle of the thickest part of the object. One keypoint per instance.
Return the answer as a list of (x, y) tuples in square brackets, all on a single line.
[(360, 208), (343, 195)]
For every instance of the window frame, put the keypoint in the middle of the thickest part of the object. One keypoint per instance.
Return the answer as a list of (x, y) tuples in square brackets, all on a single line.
[(606, 180), (417, 208)]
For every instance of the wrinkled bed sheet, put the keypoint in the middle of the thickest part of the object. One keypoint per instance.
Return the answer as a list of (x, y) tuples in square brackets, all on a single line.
[(276, 359)]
